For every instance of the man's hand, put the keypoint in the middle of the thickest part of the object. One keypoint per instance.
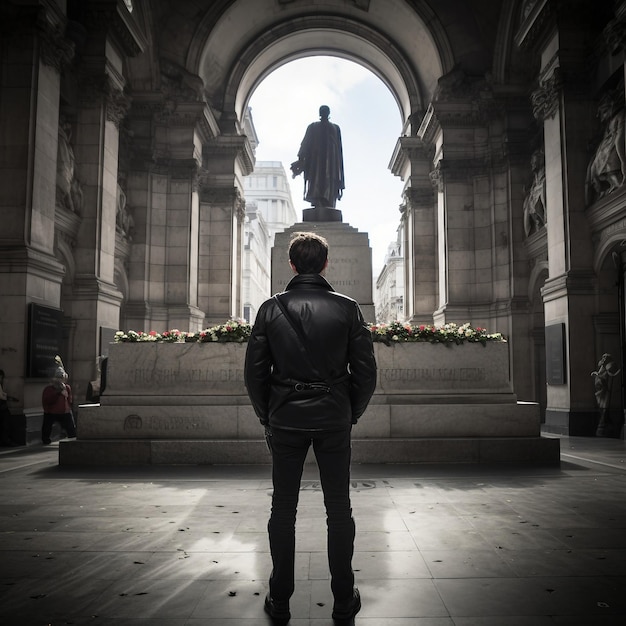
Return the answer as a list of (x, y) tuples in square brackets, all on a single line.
[(268, 437)]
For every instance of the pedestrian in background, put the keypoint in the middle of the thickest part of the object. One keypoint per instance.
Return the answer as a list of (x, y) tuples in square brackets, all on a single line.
[(56, 401)]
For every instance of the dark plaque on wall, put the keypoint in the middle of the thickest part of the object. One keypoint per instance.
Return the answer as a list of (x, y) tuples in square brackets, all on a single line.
[(555, 354), (45, 335)]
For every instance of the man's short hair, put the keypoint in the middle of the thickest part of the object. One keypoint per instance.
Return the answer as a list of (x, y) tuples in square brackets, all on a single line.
[(308, 252)]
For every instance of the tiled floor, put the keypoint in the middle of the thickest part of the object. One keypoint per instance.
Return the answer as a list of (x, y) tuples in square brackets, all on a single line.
[(436, 546)]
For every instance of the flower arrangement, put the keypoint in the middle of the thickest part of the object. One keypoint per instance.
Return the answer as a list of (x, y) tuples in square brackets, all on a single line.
[(390, 333), (448, 334), (135, 337), (233, 330)]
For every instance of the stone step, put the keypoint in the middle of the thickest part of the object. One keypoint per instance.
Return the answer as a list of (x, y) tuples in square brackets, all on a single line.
[(470, 450)]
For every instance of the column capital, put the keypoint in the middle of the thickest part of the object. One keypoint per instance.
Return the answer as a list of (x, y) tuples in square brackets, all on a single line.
[(545, 99), (574, 282), (232, 147), (56, 50), (100, 89), (407, 151), (224, 196), (113, 19), (418, 197)]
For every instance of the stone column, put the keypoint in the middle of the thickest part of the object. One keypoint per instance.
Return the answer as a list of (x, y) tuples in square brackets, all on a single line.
[(412, 162), (563, 105), (32, 54), (222, 212), (228, 158), (111, 36), (469, 223), (163, 189)]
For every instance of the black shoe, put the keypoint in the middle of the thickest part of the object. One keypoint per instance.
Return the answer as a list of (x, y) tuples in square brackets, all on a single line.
[(349, 608), (8, 443), (278, 610), (46, 442)]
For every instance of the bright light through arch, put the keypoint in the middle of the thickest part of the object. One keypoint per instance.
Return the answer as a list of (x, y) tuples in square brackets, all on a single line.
[(288, 99)]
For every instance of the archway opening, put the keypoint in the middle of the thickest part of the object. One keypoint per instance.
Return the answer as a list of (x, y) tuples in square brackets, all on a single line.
[(370, 120)]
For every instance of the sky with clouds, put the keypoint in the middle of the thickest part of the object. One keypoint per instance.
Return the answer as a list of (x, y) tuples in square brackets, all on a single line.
[(288, 100)]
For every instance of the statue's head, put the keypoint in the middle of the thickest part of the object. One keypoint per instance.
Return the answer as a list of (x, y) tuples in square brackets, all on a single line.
[(324, 112)]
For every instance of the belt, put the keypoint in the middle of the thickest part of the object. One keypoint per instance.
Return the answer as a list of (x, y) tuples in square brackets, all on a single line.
[(313, 386)]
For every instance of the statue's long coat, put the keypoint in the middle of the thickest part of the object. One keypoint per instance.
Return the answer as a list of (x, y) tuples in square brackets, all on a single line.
[(321, 155)]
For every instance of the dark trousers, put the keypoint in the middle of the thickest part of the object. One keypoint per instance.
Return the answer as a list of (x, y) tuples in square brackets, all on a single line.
[(65, 419), (332, 452)]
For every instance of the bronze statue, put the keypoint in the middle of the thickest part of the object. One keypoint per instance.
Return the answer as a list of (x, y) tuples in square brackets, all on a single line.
[(321, 159)]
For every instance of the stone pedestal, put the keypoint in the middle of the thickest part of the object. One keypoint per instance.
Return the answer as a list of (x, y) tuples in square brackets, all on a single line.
[(350, 266), (187, 404), (322, 214)]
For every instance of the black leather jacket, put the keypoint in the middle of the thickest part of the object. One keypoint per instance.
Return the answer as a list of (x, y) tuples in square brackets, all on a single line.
[(325, 385)]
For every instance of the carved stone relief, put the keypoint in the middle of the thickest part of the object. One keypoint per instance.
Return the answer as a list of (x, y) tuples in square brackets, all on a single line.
[(607, 168), (615, 35), (545, 99), (124, 222), (69, 193), (179, 84), (535, 200)]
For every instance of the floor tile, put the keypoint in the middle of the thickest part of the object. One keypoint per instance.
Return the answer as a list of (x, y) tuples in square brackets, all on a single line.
[(436, 545)]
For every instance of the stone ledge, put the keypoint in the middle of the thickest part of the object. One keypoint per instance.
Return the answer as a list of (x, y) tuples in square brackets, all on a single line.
[(221, 422), (470, 450)]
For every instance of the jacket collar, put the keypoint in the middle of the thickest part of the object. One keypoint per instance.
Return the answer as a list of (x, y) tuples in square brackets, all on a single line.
[(308, 280)]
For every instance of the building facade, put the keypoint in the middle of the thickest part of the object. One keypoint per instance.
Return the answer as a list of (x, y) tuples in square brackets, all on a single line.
[(269, 209), (389, 293), (124, 157)]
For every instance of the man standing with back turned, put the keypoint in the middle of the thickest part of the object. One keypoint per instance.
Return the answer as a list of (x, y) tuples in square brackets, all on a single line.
[(310, 373)]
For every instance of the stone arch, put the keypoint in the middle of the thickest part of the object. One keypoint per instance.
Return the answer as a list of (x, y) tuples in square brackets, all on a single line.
[(364, 49), (232, 66), (604, 250)]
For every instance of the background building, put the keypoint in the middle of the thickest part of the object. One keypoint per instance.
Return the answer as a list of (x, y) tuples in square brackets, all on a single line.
[(269, 209), (389, 291)]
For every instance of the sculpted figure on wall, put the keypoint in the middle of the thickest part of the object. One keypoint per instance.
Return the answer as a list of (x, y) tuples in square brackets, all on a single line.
[(535, 201), (124, 221), (606, 169), (607, 369), (69, 193)]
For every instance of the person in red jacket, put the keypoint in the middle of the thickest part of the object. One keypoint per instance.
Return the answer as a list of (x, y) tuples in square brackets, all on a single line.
[(56, 401)]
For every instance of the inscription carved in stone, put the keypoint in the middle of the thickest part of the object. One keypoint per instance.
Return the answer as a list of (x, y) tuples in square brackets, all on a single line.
[(433, 374)]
